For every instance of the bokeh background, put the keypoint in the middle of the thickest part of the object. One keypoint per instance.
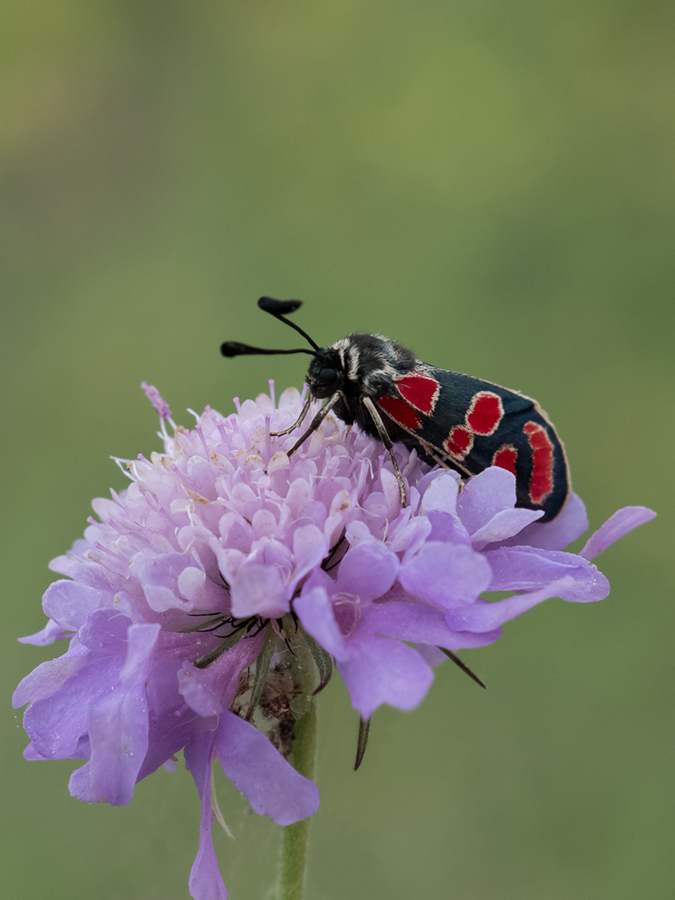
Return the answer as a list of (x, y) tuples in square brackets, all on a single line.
[(491, 183)]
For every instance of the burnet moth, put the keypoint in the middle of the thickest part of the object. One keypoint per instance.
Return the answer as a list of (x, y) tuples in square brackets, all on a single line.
[(457, 421)]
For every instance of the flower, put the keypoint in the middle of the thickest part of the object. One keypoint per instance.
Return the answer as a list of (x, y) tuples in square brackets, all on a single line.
[(194, 607)]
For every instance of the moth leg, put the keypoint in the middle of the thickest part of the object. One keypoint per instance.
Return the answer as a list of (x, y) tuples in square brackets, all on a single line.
[(298, 421), (386, 440), (316, 421), (441, 461)]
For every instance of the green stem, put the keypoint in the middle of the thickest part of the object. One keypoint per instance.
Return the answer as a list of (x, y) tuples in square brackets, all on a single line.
[(296, 837)]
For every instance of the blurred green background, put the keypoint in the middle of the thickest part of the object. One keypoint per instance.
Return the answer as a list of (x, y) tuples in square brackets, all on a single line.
[(491, 183)]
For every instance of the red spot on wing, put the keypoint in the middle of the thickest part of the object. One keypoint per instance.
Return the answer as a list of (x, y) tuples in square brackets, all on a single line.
[(459, 442), (400, 412), (506, 458), (482, 418), (485, 413), (541, 479), (420, 390)]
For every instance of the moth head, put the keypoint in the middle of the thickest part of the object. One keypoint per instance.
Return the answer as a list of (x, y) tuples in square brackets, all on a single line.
[(325, 375)]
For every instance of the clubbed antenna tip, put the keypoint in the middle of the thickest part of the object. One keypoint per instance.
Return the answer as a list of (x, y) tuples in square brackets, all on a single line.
[(278, 307), (234, 348)]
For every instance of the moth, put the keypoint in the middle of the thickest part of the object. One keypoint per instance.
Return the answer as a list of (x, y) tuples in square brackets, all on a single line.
[(454, 420)]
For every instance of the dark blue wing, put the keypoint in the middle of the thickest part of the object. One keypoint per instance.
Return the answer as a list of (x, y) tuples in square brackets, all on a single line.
[(472, 424)]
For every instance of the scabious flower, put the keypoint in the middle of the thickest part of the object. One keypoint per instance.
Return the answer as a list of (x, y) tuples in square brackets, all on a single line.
[(195, 606)]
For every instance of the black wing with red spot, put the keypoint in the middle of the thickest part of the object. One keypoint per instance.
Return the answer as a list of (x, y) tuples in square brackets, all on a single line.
[(474, 424)]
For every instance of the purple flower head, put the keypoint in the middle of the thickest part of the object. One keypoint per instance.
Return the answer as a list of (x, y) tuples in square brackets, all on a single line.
[(204, 608)]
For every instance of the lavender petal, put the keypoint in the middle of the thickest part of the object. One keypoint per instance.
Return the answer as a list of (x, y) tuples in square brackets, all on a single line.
[(445, 575), (49, 676), (504, 524), (55, 724), (570, 523), (259, 771), (206, 882), (422, 624), (442, 494), (485, 617), (258, 590), (379, 670), (623, 521), (316, 614), (69, 603), (526, 568), (485, 495), (118, 735), (44, 637), (368, 571), (117, 727)]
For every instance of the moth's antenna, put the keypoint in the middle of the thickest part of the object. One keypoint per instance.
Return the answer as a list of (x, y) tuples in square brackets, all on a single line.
[(234, 348), (276, 308), (280, 309)]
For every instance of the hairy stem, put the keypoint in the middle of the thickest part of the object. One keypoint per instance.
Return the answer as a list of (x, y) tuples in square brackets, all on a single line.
[(296, 837)]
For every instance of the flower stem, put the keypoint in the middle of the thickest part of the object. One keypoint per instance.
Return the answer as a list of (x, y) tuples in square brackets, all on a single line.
[(296, 837)]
